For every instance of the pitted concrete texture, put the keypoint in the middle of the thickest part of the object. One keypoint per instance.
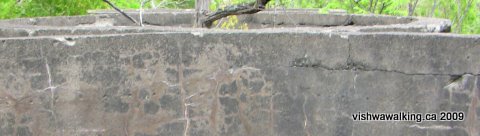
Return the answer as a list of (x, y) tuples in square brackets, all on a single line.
[(237, 84), (170, 80)]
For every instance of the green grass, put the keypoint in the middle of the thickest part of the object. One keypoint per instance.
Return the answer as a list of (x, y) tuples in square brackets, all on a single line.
[(450, 9), (35, 8)]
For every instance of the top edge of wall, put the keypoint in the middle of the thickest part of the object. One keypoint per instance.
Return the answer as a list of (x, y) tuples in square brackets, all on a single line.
[(174, 20)]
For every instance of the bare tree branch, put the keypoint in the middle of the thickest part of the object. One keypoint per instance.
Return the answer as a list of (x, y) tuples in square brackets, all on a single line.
[(239, 9), (357, 2), (461, 15), (384, 5), (119, 10), (411, 7)]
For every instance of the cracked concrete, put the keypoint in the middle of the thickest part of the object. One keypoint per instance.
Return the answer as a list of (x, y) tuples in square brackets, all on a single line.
[(225, 85), (231, 82)]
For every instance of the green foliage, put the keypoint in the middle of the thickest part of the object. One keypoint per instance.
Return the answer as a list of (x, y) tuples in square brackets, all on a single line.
[(7, 10), (182, 4), (218, 4), (231, 23), (464, 17), (297, 3), (34, 8)]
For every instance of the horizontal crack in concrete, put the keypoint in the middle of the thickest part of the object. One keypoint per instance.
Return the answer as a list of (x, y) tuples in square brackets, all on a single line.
[(364, 68), (307, 62)]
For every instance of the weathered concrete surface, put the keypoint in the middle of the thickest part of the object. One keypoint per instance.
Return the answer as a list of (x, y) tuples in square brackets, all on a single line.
[(108, 22), (237, 83), (295, 72), (417, 54)]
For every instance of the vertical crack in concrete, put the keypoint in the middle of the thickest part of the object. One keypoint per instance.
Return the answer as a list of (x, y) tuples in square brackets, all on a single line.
[(50, 87), (351, 65), (227, 76), (349, 62), (355, 80), (50, 84), (305, 127), (187, 104), (180, 68)]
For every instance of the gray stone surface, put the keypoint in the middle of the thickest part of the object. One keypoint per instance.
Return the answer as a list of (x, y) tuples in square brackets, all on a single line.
[(233, 84), (417, 53), (169, 80), (108, 22)]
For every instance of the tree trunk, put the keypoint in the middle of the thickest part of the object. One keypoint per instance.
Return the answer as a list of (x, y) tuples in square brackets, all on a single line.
[(461, 15), (411, 7), (432, 11), (370, 7), (201, 8)]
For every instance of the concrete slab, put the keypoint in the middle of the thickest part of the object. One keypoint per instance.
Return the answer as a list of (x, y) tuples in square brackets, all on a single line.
[(103, 76)]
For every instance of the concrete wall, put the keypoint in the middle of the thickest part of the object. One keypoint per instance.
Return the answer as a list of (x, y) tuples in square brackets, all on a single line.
[(295, 73), (237, 83)]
